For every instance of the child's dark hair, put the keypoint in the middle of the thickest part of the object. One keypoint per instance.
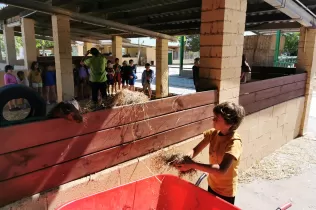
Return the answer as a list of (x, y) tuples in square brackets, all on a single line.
[(130, 61), (196, 59), (94, 51), (20, 75), (147, 64), (7, 68), (116, 59), (109, 61), (33, 65), (232, 113)]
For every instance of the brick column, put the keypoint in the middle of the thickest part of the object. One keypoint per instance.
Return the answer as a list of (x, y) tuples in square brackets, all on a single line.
[(86, 46), (162, 71), (63, 58), (307, 62), (9, 44), (222, 38), (80, 50), (117, 47), (29, 42)]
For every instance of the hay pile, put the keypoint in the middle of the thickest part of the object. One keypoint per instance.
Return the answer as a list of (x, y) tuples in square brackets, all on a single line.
[(16, 115), (163, 162), (122, 98), (127, 97), (288, 161)]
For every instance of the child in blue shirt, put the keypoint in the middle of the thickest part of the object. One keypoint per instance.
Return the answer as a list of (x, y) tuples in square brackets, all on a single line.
[(147, 79)]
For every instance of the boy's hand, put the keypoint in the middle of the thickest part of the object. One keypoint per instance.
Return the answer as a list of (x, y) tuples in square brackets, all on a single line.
[(184, 166)]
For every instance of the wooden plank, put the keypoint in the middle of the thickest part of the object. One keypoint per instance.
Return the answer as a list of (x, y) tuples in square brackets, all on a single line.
[(35, 158), (293, 86), (247, 99), (32, 183), (33, 134), (263, 104), (270, 83), (268, 93)]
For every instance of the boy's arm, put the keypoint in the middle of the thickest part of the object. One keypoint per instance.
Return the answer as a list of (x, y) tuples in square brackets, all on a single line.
[(198, 149), (84, 60), (233, 152)]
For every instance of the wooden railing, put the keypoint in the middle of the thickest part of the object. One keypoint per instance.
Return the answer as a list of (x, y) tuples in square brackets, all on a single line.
[(258, 95), (39, 156)]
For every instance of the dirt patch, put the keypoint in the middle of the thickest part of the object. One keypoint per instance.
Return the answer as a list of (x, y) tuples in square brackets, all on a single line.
[(290, 160)]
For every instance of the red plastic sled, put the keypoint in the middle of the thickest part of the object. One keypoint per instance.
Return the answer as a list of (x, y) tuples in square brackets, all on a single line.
[(162, 192)]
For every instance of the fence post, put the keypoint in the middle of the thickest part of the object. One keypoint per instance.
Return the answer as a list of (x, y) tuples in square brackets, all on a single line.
[(277, 48), (181, 54)]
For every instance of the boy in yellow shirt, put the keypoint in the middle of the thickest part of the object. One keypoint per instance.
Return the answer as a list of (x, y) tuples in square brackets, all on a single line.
[(225, 148)]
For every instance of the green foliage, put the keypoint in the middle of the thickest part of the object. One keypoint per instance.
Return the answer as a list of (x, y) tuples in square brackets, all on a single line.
[(193, 43), (46, 43), (291, 43), (19, 43)]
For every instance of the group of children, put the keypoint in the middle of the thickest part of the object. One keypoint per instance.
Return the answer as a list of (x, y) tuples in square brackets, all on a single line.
[(119, 77), (35, 79)]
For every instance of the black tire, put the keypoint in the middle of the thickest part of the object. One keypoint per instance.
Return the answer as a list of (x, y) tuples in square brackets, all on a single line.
[(15, 91)]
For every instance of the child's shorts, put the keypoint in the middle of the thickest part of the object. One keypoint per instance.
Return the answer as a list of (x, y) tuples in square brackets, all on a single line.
[(131, 81), (37, 85), (110, 80), (117, 77), (147, 86), (125, 81)]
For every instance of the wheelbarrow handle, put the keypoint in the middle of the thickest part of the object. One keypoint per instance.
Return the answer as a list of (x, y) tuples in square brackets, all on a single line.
[(198, 182), (285, 207)]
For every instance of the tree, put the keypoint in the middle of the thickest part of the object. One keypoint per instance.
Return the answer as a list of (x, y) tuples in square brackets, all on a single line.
[(291, 43), (193, 43), (45, 43)]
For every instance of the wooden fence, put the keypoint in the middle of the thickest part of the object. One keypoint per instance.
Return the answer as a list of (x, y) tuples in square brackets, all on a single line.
[(39, 156), (255, 96)]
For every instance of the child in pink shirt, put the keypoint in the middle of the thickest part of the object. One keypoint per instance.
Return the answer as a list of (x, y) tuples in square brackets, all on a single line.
[(10, 79)]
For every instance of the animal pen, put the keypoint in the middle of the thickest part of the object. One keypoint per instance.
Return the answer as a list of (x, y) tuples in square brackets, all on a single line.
[(48, 163)]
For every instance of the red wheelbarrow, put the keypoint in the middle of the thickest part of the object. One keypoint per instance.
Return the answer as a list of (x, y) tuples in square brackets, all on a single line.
[(161, 192)]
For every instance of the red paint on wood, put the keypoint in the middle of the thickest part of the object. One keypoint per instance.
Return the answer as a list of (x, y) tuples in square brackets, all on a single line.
[(247, 99), (268, 93), (35, 158), (33, 134), (32, 183), (263, 104), (270, 83)]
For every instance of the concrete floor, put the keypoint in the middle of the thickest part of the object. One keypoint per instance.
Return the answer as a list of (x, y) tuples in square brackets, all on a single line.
[(300, 188)]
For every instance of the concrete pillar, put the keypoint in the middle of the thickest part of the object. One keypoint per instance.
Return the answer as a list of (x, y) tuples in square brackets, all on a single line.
[(306, 61), (80, 50), (86, 46), (162, 71), (222, 38), (63, 58), (117, 42), (9, 44), (29, 42)]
